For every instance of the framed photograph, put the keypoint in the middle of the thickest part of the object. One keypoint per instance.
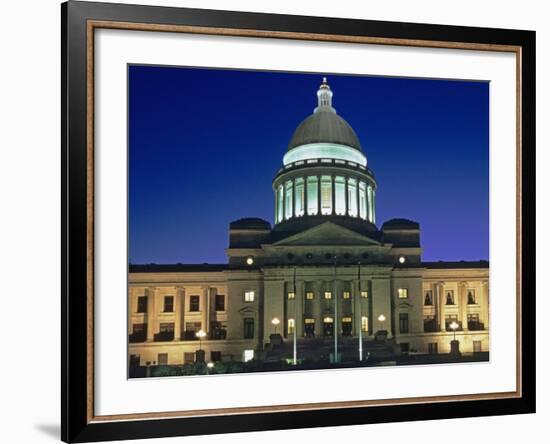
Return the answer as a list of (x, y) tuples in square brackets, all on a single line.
[(277, 221)]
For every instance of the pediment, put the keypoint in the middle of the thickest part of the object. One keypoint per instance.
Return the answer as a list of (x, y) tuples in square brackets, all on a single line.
[(327, 233)]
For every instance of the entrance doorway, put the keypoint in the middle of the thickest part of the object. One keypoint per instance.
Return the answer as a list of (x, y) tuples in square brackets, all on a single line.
[(309, 328), (346, 326), (328, 326)]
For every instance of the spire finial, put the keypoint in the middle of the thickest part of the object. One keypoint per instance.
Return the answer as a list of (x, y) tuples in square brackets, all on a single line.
[(324, 97)]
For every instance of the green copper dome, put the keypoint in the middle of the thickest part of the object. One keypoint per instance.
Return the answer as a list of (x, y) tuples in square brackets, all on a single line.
[(324, 125)]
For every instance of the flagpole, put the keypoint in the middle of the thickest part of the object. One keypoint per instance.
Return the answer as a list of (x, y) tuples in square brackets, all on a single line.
[(358, 296), (295, 314)]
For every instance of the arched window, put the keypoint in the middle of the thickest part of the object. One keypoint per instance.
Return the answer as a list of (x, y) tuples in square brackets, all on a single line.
[(362, 200), (288, 199), (280, 198), (352, 197), (369, 204), (326, 195)]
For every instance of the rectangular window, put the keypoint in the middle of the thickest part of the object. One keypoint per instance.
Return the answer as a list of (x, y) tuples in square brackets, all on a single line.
[(430, 324), (299, 197), (364, 323), (291, 326), (432, 348), (194, 302), (477, 346), (191, 328), (220, 302), (352, 197), (142, 304), (215, 356), (328, 295), (472, 297), (473, 322), (403, 322), (449, 320), (168, 304), (188, 358), (449, 297), (291, 295), (326, 195), (346, 295), (428, 297), (248, 327), (312, 198), (288, 199), (248, 355), (166, 327), (162, 359), (402, 293), (364, 294), (134, 360), (362, 200), (139, 333), (310, 295), (249, 296), (340, 194)]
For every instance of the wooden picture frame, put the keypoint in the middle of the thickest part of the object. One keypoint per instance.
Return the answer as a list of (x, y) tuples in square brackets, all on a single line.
[(79, 22)]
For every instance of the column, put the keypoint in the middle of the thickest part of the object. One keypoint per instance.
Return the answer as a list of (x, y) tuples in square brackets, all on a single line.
[(357, 199), (131, 302), (305, 196), (210, 304), (346, 197), (318, 195), (151, 313), (462, 301), (203, 308), (381, 304), (293, 197), (484, 304), (355, 309), (299, 311), (333, 186), (179, 305), (317, 307), (442, 302), (284, 201)]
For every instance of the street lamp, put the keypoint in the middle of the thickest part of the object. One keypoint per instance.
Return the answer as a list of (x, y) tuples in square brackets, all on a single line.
[(275, 322), (209, 367), (454, 326), (200, 334), (381, 319)]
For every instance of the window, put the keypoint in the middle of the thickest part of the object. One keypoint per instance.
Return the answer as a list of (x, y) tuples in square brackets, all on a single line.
[(168, 304), (142, 304), (432, 348), (364, 294), (428, 298), (190, 329), (163, 359), (215, 356), (346, 295), (248, 328), (402, 293), (280, 198), (312, 198), (362, 200), (249, 296), (288, 199), (139, 333), (299, 197), (220, 302), (166, 327), (340, 194), (449, 319), (473, 322), (364, 323), (134, 360), (194, 302), (352, 197), (370, 206), (310, 295), (248, 355), (477, 346), (188, 358), (291, 295), (430, 324), (450, 297), (326, 195), (291, 326), (217, 330), (328, 295), (472, 297), (309, 327), (403, 322)]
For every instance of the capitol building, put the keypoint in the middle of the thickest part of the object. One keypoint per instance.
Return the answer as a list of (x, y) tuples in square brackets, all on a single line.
[(324, 282)]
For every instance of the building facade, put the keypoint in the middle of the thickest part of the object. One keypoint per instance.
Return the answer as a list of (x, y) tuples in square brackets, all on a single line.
[(324, 277)]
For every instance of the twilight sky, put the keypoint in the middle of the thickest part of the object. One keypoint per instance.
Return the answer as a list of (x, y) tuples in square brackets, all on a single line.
[(205, 145)]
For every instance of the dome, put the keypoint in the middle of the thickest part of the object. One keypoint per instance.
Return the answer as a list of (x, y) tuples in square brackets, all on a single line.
[(325, 126)]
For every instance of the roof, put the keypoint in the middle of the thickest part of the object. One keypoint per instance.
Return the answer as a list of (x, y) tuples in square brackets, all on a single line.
[(400, 224), (250, 223), (456, 264), (175, 268), (325, 126)]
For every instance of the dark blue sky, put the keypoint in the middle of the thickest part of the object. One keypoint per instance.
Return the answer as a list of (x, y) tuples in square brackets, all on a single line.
[(205, 145)]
